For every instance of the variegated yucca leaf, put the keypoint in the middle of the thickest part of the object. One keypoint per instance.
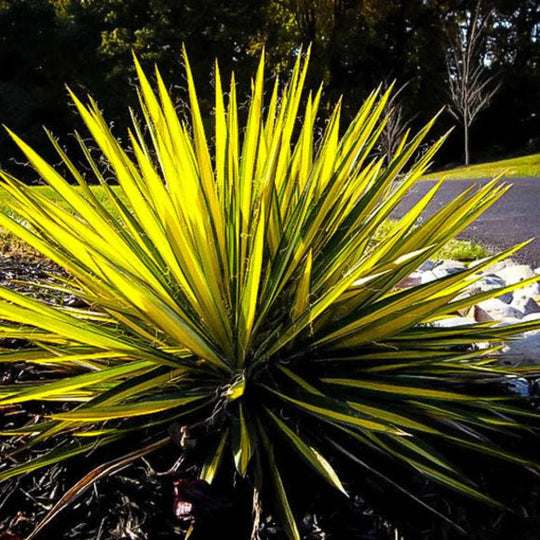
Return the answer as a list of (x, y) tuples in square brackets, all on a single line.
[(236, 285)]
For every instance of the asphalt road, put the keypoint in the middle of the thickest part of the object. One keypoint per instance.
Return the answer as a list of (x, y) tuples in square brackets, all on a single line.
[(512, 219)]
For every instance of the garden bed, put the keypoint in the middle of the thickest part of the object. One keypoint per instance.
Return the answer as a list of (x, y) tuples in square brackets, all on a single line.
[(137, 502)]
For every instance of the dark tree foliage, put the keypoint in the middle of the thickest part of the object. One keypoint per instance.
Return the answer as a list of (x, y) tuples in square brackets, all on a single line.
[(517, 58), (356, 44), (33, 68)]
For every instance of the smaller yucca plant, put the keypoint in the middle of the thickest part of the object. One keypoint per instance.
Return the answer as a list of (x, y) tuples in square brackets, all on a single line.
[(236, 285)]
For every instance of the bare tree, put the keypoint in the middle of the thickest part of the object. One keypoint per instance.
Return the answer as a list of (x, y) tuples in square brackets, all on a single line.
[(471, 87), (397, 124)]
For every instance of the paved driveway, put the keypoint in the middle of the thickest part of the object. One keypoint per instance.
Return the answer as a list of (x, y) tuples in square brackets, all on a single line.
[(512, 219)]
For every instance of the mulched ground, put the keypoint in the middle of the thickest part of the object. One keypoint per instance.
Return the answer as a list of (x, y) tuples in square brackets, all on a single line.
[(137, 502)]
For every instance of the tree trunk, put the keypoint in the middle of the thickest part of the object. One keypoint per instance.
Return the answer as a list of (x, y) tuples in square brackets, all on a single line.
[(466, 139)]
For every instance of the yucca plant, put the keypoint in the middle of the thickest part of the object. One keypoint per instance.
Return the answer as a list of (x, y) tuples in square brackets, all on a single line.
[(235, 285)]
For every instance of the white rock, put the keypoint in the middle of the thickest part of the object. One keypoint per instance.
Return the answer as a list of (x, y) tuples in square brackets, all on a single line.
[(507, 298), (427, 265), (450, 322), (494, 267), (508, 321), (428, 276), (523, 351), (514, 274), (523, 305), (466, 312), (526, 305), (443, 272), (495, 310), (448, 267), (529, 291), (491, 282), (411, 281), (517, 385), (537, 271)]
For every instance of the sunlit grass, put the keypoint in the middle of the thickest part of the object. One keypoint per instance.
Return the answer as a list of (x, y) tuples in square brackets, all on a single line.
[(463, 250), (459, 250), (13, 247), (522, 166), (52, 195)]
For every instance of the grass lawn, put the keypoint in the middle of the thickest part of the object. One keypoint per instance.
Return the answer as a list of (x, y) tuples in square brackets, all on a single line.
[(13, 246), (458, 250), (462, 250), (522, 166), (51, 194)]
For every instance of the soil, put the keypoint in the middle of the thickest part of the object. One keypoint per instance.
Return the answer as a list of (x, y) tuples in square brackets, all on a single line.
[(138, 501)]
